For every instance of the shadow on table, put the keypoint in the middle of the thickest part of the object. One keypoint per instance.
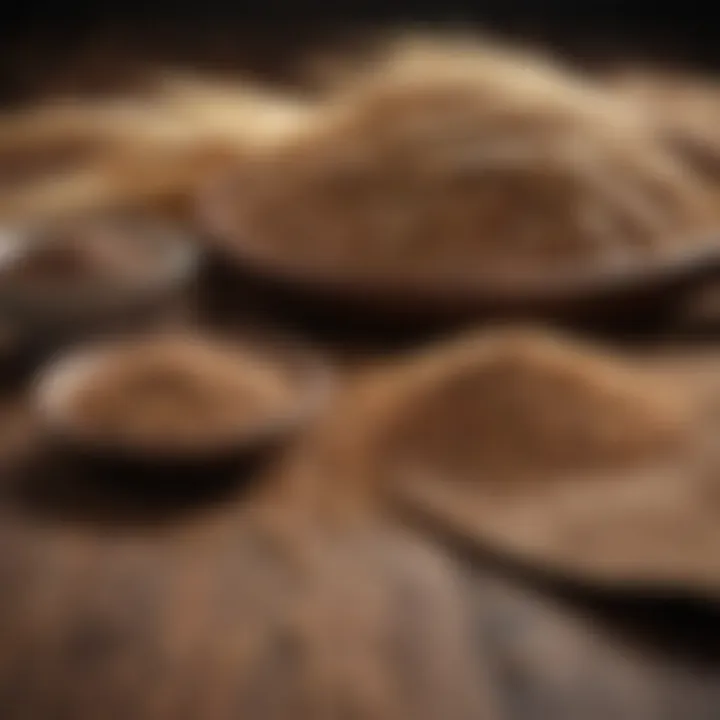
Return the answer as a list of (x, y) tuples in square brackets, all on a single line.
[(53, 488)]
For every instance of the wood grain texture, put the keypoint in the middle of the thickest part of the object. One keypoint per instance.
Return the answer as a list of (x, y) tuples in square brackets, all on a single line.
[(222, 620), (237, 603), (221, 605), (117, 607)]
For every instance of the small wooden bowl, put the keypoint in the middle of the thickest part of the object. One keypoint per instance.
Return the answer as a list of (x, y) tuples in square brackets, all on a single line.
[(624, 294), (309, 380)]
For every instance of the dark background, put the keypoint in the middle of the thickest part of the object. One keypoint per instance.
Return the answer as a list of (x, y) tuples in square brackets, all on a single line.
[(63, 40)]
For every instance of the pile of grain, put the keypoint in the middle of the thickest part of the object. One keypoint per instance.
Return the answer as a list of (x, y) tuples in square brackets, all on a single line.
[(458, 163)]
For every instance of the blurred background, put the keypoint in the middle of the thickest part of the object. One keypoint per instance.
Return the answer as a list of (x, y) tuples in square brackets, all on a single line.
[(295, 584), (47, 43)]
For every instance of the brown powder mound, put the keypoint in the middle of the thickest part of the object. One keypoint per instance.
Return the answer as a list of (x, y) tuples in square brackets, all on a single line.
[(561, 458), (179, 392), (523, 405), (147, 149), (18, 166), (459, 166), (684, 109)]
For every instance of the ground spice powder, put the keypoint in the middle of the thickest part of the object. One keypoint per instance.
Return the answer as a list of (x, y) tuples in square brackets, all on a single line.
[(467, 167), (524, 405), (180, 392)]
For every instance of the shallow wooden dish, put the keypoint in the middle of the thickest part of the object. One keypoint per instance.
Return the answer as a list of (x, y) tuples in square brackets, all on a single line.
[(309, 378), (649, 530), (624, 294)]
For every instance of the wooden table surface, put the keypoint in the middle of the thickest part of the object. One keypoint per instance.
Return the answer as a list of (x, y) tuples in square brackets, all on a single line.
[(242, 603)]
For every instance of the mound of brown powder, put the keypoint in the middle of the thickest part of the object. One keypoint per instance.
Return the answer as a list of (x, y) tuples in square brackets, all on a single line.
[(179, 392), (683, 108), (563, 458), (469, 164), (523, 405)]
